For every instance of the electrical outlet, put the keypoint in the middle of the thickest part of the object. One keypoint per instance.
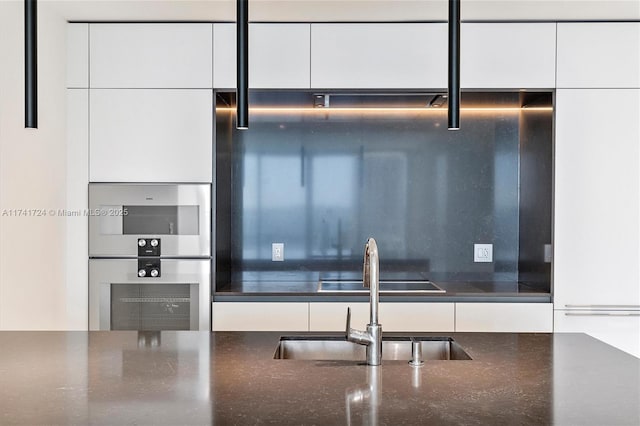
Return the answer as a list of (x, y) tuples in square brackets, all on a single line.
[(277, 252), (548, 253), (483, 253)]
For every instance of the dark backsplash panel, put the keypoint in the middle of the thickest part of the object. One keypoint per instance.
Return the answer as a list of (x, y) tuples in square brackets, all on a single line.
[(322, 183), (536, 194)]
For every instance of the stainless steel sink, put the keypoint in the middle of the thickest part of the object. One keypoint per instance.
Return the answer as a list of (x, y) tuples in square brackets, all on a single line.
[(334, 348)]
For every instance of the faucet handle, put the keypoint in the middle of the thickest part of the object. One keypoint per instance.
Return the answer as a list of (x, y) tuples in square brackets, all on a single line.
[(356, 336), (348, 326)]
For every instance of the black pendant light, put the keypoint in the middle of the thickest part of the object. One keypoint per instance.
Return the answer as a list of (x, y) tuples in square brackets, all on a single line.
[(30, 64), (454, 65), (242, 84)]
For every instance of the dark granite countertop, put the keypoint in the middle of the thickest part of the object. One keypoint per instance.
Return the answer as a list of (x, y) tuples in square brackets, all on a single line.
[(302, 286), (455, 291), (225, 378)]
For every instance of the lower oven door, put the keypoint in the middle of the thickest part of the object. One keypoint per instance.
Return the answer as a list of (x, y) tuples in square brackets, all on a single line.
[(179, 298)]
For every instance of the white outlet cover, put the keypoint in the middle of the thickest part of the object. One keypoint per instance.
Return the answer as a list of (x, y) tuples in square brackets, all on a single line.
[(277, 252), (483, 253), (548, 253)]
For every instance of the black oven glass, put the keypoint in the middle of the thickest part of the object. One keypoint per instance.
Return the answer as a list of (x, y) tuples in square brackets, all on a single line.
[(160, 220), (151, 306)]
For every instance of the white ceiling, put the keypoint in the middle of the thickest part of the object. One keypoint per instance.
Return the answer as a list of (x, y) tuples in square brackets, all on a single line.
[(347, 10)]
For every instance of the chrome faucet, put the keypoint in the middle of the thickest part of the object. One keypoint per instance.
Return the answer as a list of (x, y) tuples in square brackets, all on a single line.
[(372, 338)]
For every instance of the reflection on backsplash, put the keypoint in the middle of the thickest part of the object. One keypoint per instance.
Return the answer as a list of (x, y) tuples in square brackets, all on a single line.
[(322, 183)]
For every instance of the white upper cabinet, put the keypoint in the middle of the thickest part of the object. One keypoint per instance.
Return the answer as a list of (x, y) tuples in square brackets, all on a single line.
[(77, 56), (507, 55), (279, 56), (597, 197), (379, 56), (224, 56), (599, 55), (150, 135), (151, 55)]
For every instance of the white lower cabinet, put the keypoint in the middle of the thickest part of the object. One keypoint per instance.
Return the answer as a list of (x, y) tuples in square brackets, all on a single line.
[(617, 328), (437, 317), (417, 316), (332, 316), (260, 316), (504, 317), (394, 317)]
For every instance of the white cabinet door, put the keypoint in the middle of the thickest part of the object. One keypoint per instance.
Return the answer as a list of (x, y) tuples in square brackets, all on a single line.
[(504, 317), (259, 316), (332, 316), (599, 55), (597, 192), (508, 55), (77, 230), (617, 328), (224, 56), (405, 317), (145, 135), (151, 55), (379, 56), (279, 56), (77, 55), (438, 317)]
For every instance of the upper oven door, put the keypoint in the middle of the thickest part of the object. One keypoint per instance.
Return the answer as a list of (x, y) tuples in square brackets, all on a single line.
[(179, 216)]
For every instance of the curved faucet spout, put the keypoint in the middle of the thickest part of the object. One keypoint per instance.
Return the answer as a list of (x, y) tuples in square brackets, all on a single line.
[(372, 338), (371, 279)]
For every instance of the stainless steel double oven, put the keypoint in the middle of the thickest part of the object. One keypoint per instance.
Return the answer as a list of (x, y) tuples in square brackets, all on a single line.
[(149, 256)]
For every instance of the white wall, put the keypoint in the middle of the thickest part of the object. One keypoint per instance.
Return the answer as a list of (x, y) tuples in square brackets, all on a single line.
[(32, 176), (347, 10), (33, 163)]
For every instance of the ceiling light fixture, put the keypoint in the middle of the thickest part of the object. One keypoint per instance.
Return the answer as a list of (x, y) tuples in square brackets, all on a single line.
[(30, 64), (454, 65), (242, 55)]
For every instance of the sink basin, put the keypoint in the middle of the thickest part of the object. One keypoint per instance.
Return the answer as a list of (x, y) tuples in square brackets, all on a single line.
[(385, 286), (323, 348)]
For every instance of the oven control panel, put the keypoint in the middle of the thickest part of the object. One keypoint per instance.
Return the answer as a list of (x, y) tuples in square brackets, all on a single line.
[(148, 246), (148, 267), (148, 257)]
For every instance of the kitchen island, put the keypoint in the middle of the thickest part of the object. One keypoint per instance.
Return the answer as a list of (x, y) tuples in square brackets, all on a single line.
[(129, 377)]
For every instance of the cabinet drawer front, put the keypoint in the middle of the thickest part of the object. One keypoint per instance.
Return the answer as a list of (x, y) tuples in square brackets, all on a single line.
[(417, 317), (259, 316), (397, 317), (332, 316), (617, 328), (504, 317)]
